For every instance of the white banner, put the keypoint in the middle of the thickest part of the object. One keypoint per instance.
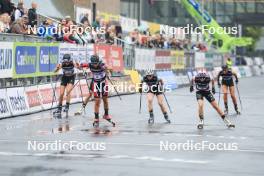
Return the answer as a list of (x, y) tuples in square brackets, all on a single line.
[(128, 24), (4, 107), (33, 98), (144, 59), (199, 60), (17, 101), (6, 58)]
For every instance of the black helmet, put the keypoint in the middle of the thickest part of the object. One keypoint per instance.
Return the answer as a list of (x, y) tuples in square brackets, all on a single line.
[(224, 67), (66, 57), (95, 59)]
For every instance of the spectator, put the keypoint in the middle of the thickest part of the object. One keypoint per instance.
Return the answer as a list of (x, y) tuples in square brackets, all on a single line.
[(20, 26), (6, 6), (19, 12), (96, 23), (4, 23), (32, 15), (85, 19)]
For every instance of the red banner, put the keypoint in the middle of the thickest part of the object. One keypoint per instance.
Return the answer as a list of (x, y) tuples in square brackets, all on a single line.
[(163, 60), (112, 56)]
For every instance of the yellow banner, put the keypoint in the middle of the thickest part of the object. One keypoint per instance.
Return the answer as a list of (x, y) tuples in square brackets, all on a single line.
[(177, 59), (108, 17)]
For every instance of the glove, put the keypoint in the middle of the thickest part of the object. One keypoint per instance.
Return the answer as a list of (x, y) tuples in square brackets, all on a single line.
[(237, 81), (140, 90), (213, 90), (191, 88)]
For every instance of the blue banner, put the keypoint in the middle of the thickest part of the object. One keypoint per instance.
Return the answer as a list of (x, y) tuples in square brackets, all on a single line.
[(25, 59), (48, 58), (168, 78)]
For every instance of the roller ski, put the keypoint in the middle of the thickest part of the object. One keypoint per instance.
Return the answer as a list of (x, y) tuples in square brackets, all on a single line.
[(80, 112), (151, 119), (228, 123), (96, 123), (166, 117), (200, 125), (108, 119), (57, 114)]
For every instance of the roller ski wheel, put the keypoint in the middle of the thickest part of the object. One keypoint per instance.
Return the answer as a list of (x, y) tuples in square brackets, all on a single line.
[(231, 126), (78, 113), (200, 125), (151, 121), (57, 114), (109, 119), (96, 123)]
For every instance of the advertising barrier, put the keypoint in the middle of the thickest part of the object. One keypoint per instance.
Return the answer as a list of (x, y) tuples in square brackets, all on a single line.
[(162, 60), (200, 60), (47, 93), (4, 107), (33, 99), (17, 101), (169, 79), (144, 59), (6, 59), (177, 60), (256, 71)]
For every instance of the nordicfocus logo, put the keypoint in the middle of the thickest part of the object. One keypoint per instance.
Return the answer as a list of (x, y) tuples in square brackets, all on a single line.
[(190, 145), (59, 145)]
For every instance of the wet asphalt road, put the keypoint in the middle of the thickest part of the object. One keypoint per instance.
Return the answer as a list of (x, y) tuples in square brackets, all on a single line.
[(133, 147)]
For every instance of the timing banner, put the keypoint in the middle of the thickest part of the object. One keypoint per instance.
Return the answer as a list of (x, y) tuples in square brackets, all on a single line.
[(162, 60), (17, 101), (178, 61), (144, 59), (4, 107), (6, 58)]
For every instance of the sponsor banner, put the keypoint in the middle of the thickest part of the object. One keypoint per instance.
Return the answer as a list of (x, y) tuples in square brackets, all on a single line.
[(6, 59), (78, 52), (48, 58), (17, 101), (169, 79), (128, 24), (25, 60), (47, 93), (4, 107), (249, 61), (33, 98), (177, 60), (135, 77), (162, 60), (200, 60), (144, 59), (82, 12), (258, 61), (123, 85), (116, 58)]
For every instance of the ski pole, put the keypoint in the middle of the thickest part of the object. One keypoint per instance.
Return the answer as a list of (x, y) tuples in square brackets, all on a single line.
[(167, 102), (239, 97), (114, 88), (219, 95), (140, 101), (54, 98)]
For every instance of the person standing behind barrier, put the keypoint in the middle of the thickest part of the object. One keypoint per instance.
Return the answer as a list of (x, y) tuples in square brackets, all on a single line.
[(202, 81), (67, 82), (155, 87), (228, 83), (229, 63)]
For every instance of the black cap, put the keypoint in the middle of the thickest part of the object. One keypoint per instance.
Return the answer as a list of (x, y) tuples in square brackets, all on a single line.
[(95, 59), (224, 67)]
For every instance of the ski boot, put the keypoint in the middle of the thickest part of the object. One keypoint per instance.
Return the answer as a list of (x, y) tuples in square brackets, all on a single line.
[(166, 117), (228, 123), (151, 118), (226, 109), (57, 113), (81, 110), (66, 109), (96, 123), (109, 119), (201, 123)]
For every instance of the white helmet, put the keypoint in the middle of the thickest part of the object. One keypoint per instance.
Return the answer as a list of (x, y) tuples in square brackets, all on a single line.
[(149, 72)]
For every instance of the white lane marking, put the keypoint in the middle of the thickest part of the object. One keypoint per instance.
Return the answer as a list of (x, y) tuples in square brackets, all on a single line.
[(148, 158)]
